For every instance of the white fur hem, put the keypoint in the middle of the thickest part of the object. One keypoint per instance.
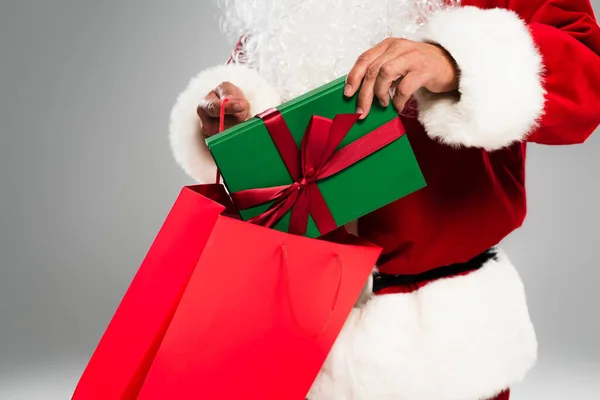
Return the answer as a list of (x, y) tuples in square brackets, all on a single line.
[(186, 137), (502, 95), (463, 338)]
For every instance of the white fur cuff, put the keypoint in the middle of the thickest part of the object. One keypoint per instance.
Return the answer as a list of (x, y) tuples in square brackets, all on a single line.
[(502, 96), (186, 137)]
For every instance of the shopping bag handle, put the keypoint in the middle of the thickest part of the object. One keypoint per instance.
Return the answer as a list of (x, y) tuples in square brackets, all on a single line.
[(221, 129), (323, 328)]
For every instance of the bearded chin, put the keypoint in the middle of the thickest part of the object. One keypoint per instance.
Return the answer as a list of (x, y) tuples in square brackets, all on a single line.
[(298, 45)]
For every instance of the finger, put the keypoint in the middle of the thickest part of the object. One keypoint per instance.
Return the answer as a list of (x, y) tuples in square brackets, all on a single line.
[(365, 98), (211, 105), (367, 89), (210, 126), (233, 107), (233, 120), (407, 87), (201, 111), (237, 101), (390, 72), (394, 87), (210, 129), (209, 111), (229, 90), (358, 71)]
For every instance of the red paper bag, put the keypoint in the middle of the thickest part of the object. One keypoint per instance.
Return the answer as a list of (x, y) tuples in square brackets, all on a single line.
[(223, 309)]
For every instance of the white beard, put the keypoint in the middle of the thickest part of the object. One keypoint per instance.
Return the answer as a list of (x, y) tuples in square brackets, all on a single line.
[(298, 45)]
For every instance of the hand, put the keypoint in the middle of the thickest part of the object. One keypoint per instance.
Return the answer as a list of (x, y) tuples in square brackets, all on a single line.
[(237, 109), (403, 65)]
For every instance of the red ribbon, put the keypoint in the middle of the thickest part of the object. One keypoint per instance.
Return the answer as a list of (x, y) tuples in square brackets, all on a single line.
[(315, 161)]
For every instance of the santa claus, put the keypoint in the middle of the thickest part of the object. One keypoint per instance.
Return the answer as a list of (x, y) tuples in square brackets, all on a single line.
[(445, 315)]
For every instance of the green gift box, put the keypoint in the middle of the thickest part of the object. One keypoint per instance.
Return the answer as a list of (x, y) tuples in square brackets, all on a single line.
[(310, 165)]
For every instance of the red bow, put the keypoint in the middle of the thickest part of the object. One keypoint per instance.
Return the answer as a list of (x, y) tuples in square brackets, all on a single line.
[(317, 160)]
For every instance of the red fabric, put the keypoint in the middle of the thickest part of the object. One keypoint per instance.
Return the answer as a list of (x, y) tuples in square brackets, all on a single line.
[(568, 37), (183, 331), (502, 396), (316, 160), (475, 198)]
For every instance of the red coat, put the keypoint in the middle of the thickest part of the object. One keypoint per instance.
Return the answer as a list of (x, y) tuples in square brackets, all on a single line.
[(476, 197), (530, 72)]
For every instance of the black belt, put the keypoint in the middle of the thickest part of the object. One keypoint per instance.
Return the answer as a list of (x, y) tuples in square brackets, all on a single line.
[(383, 281)]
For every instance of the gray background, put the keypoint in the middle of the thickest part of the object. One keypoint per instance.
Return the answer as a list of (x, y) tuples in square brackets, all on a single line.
[(87, 177)]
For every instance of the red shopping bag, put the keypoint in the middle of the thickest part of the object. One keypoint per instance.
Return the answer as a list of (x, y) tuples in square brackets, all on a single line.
[(223, 309)]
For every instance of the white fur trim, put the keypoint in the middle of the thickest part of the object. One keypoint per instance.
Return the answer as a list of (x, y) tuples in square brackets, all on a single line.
[(462, 338), (186, 137), (502, 95)]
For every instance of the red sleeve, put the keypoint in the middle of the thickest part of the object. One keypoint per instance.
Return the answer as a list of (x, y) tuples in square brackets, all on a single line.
[(530, 71), (568, 38)]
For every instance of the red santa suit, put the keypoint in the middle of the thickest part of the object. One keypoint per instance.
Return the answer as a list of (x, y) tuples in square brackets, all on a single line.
[(529, 73)]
